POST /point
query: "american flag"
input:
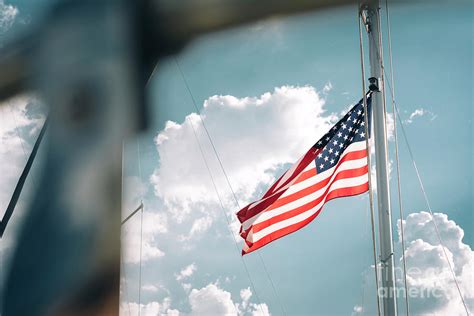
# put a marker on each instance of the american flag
(336, 166)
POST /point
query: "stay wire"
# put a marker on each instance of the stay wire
(140, 268)
(227, 180)
(225, 215)
(141, 206)
(425, 195)
(121, 253)
(397, 159)
(141, 230)
(367, 143)
(423, 190)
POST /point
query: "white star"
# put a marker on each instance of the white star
(345, 137)
(335, 143)
(362, 134)
(321, 166)
(327, 138)
(326, 158)
(331, 150)
(332, 161)
(343, 126)
(320, 155)
(337, 153)
(319, 143)
(341, 145)
(359, 112)
(354, 120)
(350, 129)
(339, 134)
(362, 124)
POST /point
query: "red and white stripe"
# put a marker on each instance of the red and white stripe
(300, 194)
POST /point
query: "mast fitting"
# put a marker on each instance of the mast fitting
(374, 84)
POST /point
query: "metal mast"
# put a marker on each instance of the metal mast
(387, 293)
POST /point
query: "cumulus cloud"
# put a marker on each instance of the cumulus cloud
(245, 295)
(8, 14)
(150, 288)
(327, 87)
(15, 126)
(149, 309)
(420, 112)
(256, 137)
(186, 272)
(198, 228)
(428, 269)
(212, 300)
(153, 224)
(18, 127)
(431, 287)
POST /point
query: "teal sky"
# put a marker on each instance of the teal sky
(324, 268)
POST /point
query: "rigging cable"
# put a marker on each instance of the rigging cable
(227, 180)
(122, 266)
(141, 230)
(140, 207)
(422, 187)
(367, 143)
(424, 192)
(425, 196)
(397, 159)
(225, 215)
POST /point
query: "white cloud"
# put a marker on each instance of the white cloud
(255, 138)
(153, 224)
(14, 148)
(420, 112)
(186, 272)
(428, 269)
(211, 300)
(358, 309)
(150, 288)
(17, 127)
(259, 310)
(245, 295)
(198, 228)
(133, 192)
(8, 14)
(149, 309)
(327, 87)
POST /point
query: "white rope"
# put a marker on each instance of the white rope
(228, 181)
(399, 186)
(371, 197)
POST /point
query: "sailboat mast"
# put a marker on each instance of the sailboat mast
(386, 290)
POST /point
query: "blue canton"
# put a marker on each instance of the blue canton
(350, 129)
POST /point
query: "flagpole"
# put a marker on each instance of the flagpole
(387, 293)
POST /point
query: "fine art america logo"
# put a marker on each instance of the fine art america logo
(428, 289)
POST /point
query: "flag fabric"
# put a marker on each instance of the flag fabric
(336, 166)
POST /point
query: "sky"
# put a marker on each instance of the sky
(266, 92)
